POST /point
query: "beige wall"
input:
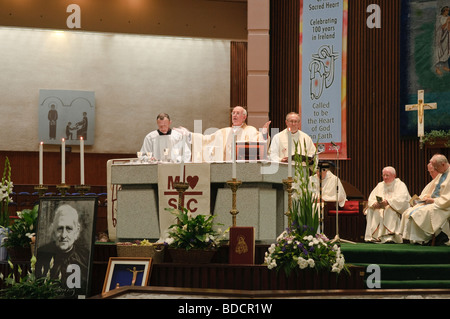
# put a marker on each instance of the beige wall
(134, 70)
(134, 78)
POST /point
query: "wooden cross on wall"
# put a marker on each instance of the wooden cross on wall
(420, 107)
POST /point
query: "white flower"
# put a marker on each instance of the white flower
(302, 263)
(281, 236)
(311, 263)
(273, 264)
(169, 240)
(272, 248)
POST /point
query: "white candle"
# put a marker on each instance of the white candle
(63, 161)
(41, 163)
(182, 162)
(81, 160)
(289, 153)
(233, 154)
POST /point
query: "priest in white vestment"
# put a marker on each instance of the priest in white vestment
(386, 203)
(329, 187)
(421, 222)
(216, 147)
(278, 151)
(166, 144)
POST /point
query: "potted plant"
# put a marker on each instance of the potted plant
(437, 138)
(300, 246)
(193, 239)
(30, 286)
(20, 235)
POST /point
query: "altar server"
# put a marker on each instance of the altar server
(422, 221)
(166, 144)
(279, 146)
(329, 187)
(388, 200)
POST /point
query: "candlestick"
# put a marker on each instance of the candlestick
(181, 188)
(288, 187)
(41, 163)
(41, 189)
(289, 153)
(81, 160)
(63, 161)
(234, 185)
(233, 154)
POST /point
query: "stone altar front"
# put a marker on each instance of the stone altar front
(261, 199)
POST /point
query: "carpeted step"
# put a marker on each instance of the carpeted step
(412, 272)
(403, 254)
(415, 284)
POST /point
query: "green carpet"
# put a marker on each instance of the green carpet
(403, 266)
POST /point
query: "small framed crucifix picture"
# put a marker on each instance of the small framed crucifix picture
(127, 271)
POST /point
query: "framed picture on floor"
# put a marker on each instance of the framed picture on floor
(65, 238)
(127, 271)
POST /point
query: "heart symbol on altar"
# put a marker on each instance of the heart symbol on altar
(192, 181)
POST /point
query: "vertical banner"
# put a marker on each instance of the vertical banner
(323, 64)
(196, 197)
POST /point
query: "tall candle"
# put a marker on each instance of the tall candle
(41, 163)
(82, 160)
(63, 161)
(182, 161)
(289, 153)
(233, 154)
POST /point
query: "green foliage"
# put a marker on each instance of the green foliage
(28, 286)
(193, 232)
(303, 212)
(434, 135)
(6, 188)
(20, 232)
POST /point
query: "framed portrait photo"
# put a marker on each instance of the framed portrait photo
(127, 271)
(65, 238)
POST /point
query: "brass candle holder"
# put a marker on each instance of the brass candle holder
(181, 188)
(82, 189)
(288, 187)
(234, 185)
(63, 188)
(41, 189)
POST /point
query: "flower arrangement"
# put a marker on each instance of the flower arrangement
(30, 286)
(6, 188)
(300, 246)
(21, 232)
(193, 232)
(299, 250)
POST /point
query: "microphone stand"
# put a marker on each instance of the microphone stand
(337, 239)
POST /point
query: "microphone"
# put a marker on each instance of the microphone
(334, 144)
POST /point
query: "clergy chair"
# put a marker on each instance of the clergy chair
(351, 219)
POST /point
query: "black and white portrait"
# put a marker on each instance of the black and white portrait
(64, 242)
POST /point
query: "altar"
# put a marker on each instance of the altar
(134, 197)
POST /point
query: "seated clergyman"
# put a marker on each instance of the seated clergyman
(430, 217)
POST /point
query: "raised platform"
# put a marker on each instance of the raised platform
(404, 267)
